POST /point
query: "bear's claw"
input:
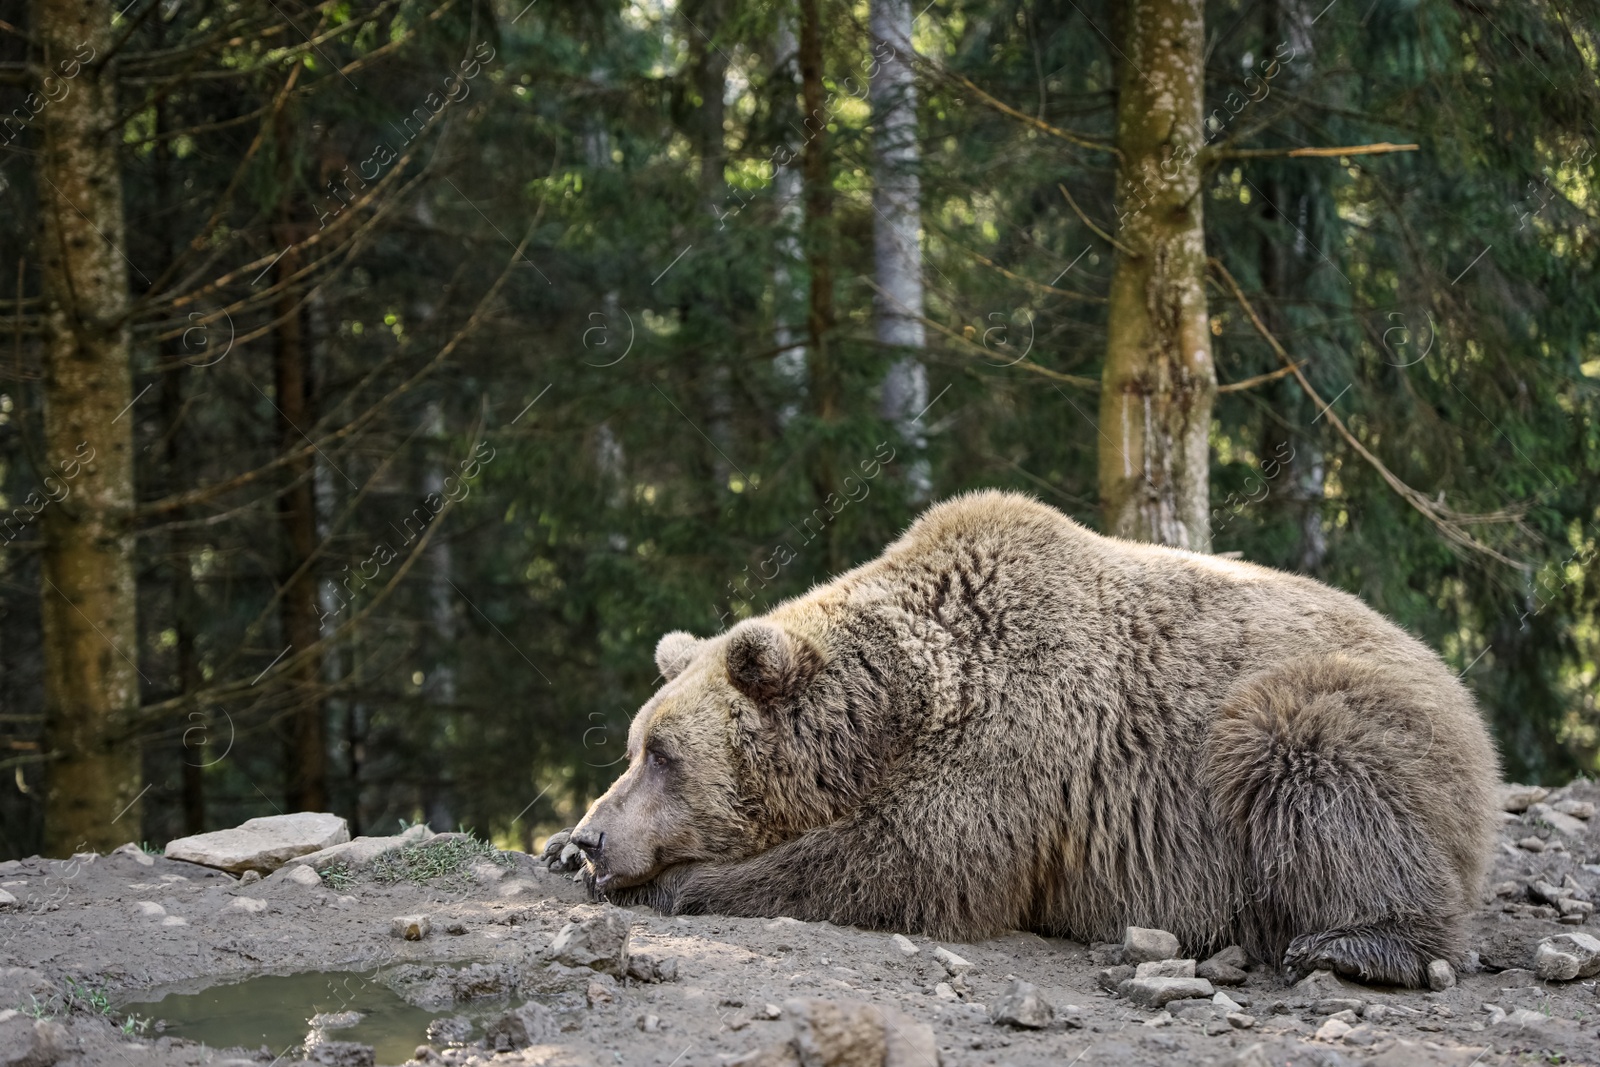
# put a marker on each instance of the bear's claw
(560, 854)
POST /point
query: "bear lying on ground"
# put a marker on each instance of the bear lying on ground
(1007, 721)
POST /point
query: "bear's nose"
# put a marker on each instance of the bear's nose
(591, 841)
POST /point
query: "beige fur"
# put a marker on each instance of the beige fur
(1007, 721)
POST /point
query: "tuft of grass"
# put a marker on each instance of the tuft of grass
(432, 860)
(136, 1025)
(337, 876)
(86, 998)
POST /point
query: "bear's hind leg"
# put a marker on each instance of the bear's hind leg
(1323, 777)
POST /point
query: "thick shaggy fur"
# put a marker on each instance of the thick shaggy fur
(1007, 721)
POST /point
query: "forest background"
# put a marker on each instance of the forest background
(381, 379)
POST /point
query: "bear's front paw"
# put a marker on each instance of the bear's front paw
(560, 854)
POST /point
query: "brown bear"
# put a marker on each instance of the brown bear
(1008, 721)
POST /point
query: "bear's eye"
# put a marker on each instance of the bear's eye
(656, 760)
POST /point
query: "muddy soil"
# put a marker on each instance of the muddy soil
(94, 943)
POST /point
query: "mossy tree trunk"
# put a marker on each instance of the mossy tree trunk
(88, 608)
(1159, 382)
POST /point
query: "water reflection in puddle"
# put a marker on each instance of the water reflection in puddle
(275, 1010)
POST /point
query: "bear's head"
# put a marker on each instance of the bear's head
(757, 735)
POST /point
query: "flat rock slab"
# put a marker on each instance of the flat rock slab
(263, 844)
(363, 850)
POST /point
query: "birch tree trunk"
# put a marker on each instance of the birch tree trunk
(1159, 381)
(88, 614)
(897, 222)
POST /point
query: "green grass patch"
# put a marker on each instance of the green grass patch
(337, 876)
(432, 860)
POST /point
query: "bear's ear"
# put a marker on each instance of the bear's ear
(766, 662)
(674, 651)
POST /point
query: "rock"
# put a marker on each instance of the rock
(334, 1020)
(361, 851)
(1550, 894)
(1156, 992)
(1507, 890)
(1332, 1030)
(650, 1024)
(1441, 975)
(1578, 809)
(944, 991)
(433, 986)
(27, 1042)
(855, 1034)
(1346, 1016)
(487, 873)
(245, 906)
(1520, 797)
(455, 1030)
(954, 965)
(1224, 1003)
(1566, 824)
(600, 942)
(263, 844)
(1140, 945)
(411, 927)
(1165, 969)
(1221, 974)
(250, 878)
(1524, 1017)
(1240, 1021)
(1531, 844)
(1022, 1005)
(1362, 1037)
(1335, 1005)
(301, 875)
(1580, 908)
(1570, 886)
(1320, 985)
(1112, 978)
(602, 990)
(6, 898)
(340, 1054)
(174, 920)
(1567, 956)
(1232, 956)
(650, 969)
(903, 943)
(530, 1024)
(149, 909)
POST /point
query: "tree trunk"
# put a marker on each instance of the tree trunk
(88, 613)
(1159, 382)
(305, 746)
(824, 387)
(897, 223)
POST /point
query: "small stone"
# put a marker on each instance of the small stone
(1532, 844)
(1575, 907)
(1572, 889)
(850, 1033)
(1225, 1003)
(531, 1024)
(650, 1024)
(246, 906)
(1565, 824)
(1156, 992)
(1216, 1027)
(1254, 1056)
(174, 920)
(1240, 1021)
(341, 1054)
(1165, 969)
(1506, 890)
(1022, 1005)
(1578, 809)
(903, 943)
(1361, 1037)
(1322, 985)
(1333, 1030)
(149, 909)
(144, 859)
(1140, 945)
(1346, 1016)
(599, 993)
(1441, 975)
(1520, 797)
(954, 965)
(303, 875)
(944, 991)
(456, 928)
(1112, 977)
(1566, 956)
(411, 927)
(250, 877)
(1161, 1018)
(6, 898)
(1221, 973)
(772, 1011)
(1109, 953)
(1524, 1017)
(600, 942)
(1334, 1005)
(455, 1030)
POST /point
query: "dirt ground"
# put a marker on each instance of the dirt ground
(90, 942)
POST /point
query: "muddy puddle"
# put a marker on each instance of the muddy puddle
(286, 1013)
